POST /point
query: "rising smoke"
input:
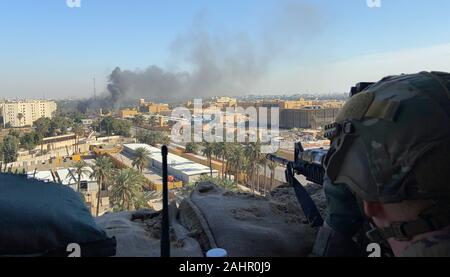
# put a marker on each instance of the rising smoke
(219, 64)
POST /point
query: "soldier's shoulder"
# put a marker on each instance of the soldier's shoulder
(436, 246)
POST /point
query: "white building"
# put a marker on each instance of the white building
(25, 112)
(44, 176)
(68, 178)
(179, 167)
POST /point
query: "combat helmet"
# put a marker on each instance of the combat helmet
(391, 143)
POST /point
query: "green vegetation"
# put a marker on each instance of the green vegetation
(141, 159)
(139, 120)
(127, 190)
(29, 141)
(9, 149)
(152, 137)
(239, 158)
(111, 126)
(58, 125)
(208, 150)
(102, 170)
(126, 185)
(223, 183)
(79, 169)
(192, 147)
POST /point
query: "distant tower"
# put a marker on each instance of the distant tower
(95, 90)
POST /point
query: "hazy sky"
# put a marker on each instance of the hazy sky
(318, 46)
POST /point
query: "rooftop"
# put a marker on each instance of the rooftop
(176, 162)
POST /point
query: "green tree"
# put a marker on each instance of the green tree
(20, 116)
(235, 159)
(254, 155)
(208, 150)
(102, 170)
(223, 183)
(272, 166)
(107, 125)
(42, 126)
(59, 125)
(139, 120)
(14, 133)
(192, 147)
(1, 156)
(29, 141)
(127, 190)
(263, 163)
(10, 147)
(153, 120)
(141, 159)
(76, 173)
(78, 130)
(153, 137)
(225, 147)
(111, 126)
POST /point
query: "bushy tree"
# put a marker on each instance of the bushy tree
(139, 120)
(29, 141)
(10, 147)
(153, 137)
(192, 147)
(112, 126)
(42, 126)
(223, 183)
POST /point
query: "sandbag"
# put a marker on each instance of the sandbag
(246, 225)
(42, 219)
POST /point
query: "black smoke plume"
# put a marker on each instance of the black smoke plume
(220, 64)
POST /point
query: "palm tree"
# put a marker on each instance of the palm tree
(272, 166)
(225, 148)
(263, 162)
(236, 160)
(207, 151)
(141, 159)
(253, 154)
(127, 192)
(101, 171)
(78, 129)
(219, 152)
(80, 169)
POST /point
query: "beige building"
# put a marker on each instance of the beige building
(149, 107)
(308, 117)
(25, 112)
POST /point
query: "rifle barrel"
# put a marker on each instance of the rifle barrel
(279, 160)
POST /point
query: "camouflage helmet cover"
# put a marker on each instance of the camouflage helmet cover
(391, 141)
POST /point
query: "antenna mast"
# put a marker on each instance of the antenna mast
(95, 90)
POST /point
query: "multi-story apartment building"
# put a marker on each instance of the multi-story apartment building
(22, 113)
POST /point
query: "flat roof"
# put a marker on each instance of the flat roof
(45, 176)
(175, 162)
(66, 178)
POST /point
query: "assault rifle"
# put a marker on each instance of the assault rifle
(308, 163)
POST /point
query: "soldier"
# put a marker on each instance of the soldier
(389, 161)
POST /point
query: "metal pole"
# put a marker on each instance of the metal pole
(165, 239)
